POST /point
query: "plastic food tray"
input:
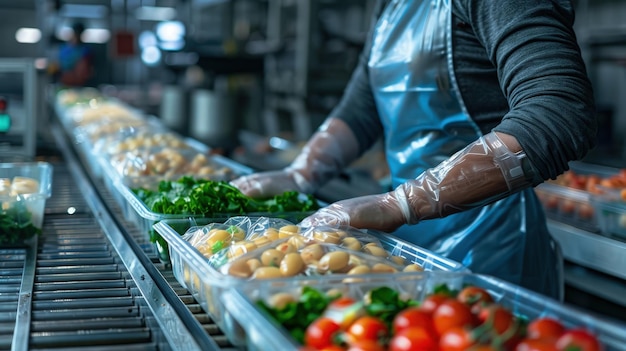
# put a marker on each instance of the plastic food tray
(34, 203)
(135, 210)
(568, 205)
(263, 333)
(588, 211)
(193, 271)
(611, 217)
(97, 158)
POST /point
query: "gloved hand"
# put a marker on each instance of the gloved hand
(328, 151)
(481, 173)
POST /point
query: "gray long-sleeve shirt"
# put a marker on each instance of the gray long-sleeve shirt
(519, 71)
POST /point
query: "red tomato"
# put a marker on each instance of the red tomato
(456, 339)
(431, 302)
(474, 294)
(341, 302)
(333, 348)
(366, 345)
(498, 318)
(321, 332)
(413, 339)
(413, 317)
(367, 328)
(578, 339)
(544, 328)
(452, 313)
(536, 345)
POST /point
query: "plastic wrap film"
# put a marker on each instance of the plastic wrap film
(328, 151)
(482, 172)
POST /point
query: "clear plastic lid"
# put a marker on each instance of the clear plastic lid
(286, 250)
(265, 333)
(146, 167)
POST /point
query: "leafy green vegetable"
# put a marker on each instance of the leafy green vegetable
(208, 198)
(16, 225)
(385, 303)
(296, 316)
(445, 290)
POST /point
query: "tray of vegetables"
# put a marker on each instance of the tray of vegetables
(211, 258)
(412, 311)
(24, 189)
(588, 196)
(190, 197)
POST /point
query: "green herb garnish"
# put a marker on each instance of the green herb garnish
(297, 316)
(16, 225)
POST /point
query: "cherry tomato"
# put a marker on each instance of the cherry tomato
(431, 302)
(333, 348)
(498, 318)
(413, 339)
(321, 332)
(366, 345)
(367, 328)
(502, 325)
(536, 345)
(474, 294)
(341, 302)
(456, 339)
(413, 317)
(452, 313)
(544, 328)
(578, 339)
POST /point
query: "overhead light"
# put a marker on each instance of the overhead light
(170, 31)
(83, 11)
(147, 38)
(172, 45)
(28, 35)
(96, 35)
(151, 55)
(155, 13)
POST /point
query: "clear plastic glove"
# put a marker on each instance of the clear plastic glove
(481, 173)
(328, 151)
(381, 212)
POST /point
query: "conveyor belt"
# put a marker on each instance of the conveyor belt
(69, 289)
(180, 319)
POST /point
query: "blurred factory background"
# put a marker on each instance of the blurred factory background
(231, 73)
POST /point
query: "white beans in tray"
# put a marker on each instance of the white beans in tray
(315, 258)
(146, 140)
(18, 186)
(285, 250)
(169, 163)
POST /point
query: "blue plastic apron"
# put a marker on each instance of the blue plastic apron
(425, 122)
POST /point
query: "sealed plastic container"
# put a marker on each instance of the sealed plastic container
(24, 189)
(588, 196)
(134, 209)
(145, 168)
(568, 205)
(611, 217)
(193, 271)
(94, 113)
(261, 332)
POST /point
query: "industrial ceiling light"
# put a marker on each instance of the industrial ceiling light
(96, 35)
(28, 35)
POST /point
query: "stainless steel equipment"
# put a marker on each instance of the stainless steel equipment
(19, 88)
